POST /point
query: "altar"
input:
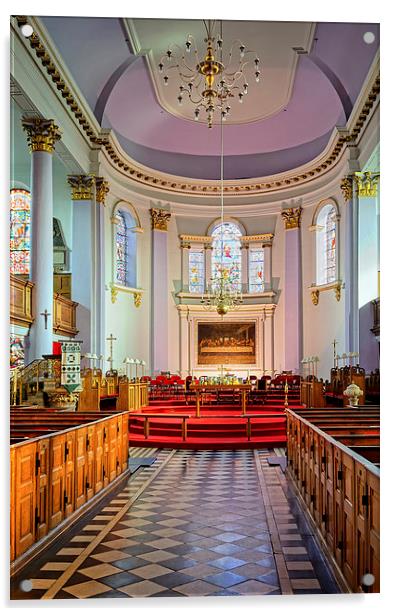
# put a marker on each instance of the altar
(201, 388)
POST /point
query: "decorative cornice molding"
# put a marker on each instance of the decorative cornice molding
(266, 238)
(346, 186)
(151, 178)
(199, 239)
(159, 219)
(41, 134)
(81, 187)
(102, 188)
(291, 217)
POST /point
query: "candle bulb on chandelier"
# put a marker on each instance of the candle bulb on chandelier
(240, 97)
(242, 50)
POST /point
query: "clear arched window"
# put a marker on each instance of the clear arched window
(121, 249)
(226, 254)
(326, 245)
(20, 201)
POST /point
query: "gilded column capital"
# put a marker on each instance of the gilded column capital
(291, 217)
(366, 183)
(81, 187)
(102, 188)
(346, 186)
(41, 134)
(185, 245)
(159, 219)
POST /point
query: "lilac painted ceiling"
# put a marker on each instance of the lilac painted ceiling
(118, 87)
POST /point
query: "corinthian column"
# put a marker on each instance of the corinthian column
(351, 265)
(41, 137)
(159, 285)
(293, 294)
(83, 256)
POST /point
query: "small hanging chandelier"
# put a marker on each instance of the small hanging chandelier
(224, 288)
(210, 84)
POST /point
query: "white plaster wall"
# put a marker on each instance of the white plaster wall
(174, 286)
(130, 325)
(325, 322)
(62, 204)
(278, 275)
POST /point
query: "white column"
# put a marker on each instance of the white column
(267, 266)
(42, 135)
(185, 248)
(245, 268)
(351, 269)
(269, 341)
(159, 289)
(85, 250)
(293, 290)
(184, 342)
(99, 344)
(208, 266)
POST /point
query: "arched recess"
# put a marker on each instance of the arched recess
(325, 224)
(125, 229)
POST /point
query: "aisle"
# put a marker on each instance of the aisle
(194, 523)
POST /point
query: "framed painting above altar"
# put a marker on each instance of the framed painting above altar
(226, 343)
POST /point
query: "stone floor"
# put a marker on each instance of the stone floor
(194, 523)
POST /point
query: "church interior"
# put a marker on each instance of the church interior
(194, 308)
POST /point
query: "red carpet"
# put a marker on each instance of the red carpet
(219, 427)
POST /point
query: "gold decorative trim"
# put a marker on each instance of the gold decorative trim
(292, 217)
(185, 245)
(137, 298)
(315, 297)
(170, 185)
(199, 239)
(137, 293)
(41, 134)
(261, 237)
(159, 219)
(346, 186)
(366, 184)
(81, 187)
(102, 188)
(317, 289)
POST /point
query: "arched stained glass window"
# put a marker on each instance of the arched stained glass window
(121, 249)
(326, 245)
(20, 231)
(226, 254)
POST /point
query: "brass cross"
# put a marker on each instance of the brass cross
(334, 343)
(45, 314)
(111, 340)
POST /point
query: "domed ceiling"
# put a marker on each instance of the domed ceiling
(311, 75)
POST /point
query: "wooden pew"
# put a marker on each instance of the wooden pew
(334, 473)
(59, 462)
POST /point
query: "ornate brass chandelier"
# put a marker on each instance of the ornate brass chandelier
(209, 83)
(224, 291)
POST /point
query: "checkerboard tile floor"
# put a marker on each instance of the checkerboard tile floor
(195, 523)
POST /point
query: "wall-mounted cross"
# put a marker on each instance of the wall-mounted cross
(45, 314)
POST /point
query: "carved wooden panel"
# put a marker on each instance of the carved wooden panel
(361, 522)
(112, 448)
(125, 441)
(373, 535)
(12, 504)
(81, 467)
(21, 301)
(64, 311)
(25, 497)
(43, 488)
(90, 461)
(99, 457)
(348, 513)
(69, 494)
(57, 469)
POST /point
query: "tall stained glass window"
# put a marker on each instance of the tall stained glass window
(331, 246)
(17, 351)
(256, 270)
(226, 253)
(121, 249)
(196, 271)
(20, 231)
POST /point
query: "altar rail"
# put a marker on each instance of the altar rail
(59, 462)
(341, 490)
